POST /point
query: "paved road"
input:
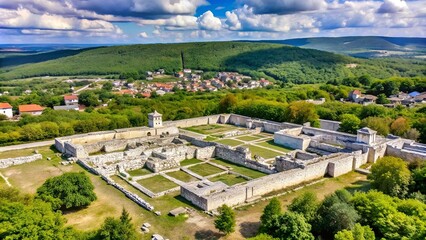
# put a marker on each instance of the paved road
(27, 145)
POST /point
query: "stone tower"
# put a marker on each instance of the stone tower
(366, 135)
(155, 120)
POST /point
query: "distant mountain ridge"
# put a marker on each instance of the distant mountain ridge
(369, 46)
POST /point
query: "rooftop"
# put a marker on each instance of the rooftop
(155, 114)
(5, 106)
(30, 108)
(70, 97)
(366, 130)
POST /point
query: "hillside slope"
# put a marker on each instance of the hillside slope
(359, 45)
(257, 59)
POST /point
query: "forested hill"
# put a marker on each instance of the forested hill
(277, 61)
(364, 46)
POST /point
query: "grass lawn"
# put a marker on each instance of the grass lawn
(110, 201)
(264, 135)
(187, 162)
(17, 153)
(210, 138)
(228, 179)
(211, 128)
(272, 145)
(182, 176)
(157, 183)
(240, 169)
(263, 152)
(230, 142)
(2, 183)
(248, 138)
(205, 169)
(139, 172)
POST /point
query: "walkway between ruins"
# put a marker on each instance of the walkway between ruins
(27, 145)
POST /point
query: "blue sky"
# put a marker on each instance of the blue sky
(152, 21)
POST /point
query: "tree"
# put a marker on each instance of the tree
(227, 103)
(88, 98)
(390, 175)
(357, 233)
(272, 210)
(291, 226)
(340, 216)
(302, 112)
(22, 217)
(118, 229)
(350, 123)
(305, 204)
(382, 99)
(419, 180)
(262, 236)
(107, 86)
(70, 190)
(399, 126)
(225, 222)
(381, 125)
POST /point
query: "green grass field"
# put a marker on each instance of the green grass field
(240, 169)
(230, 142)
(187, 162)
(228, 179)
(139, 172)
(205, 169)
(182, 176)
(212, 128)
(157, 183)
(16, 153)
(272, 145)
(263, 152)
(2, 183)
(248, 138)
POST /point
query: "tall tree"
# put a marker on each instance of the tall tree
(305, 204)
(390, 175)
(271, 211)
(118, 229)
(357, 233)
(350, 123)
(225, 222)
(291, 226)
(70, 190)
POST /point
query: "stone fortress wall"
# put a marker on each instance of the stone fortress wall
(318, 152)
(7, 162)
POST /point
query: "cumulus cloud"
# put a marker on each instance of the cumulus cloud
(207, 21)
(24, 19)
(143, 35)
(284, 6)
(393, 6)
(246, 20)
(178, 22)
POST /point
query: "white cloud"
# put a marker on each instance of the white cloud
(208, 21)
(393, 6)
(179, 21)
(24, 19)
(284, 6)
(143, 35)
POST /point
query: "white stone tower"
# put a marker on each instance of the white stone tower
(155, 120)
(366, 135)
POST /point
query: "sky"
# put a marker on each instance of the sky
(163, 21)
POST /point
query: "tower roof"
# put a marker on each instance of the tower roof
(367, 130)
(155, 114)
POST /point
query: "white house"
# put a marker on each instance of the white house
(71, 100)
(33, 109)
(6, 109)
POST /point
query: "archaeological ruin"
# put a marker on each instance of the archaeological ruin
(191, 154)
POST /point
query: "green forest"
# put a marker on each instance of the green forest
(274, 61)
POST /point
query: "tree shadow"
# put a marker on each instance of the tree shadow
(249, 229)
(359, 186)
(207, 235)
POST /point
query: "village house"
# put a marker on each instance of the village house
(355, 95)
(71, 100)
(32, 109)
(6, 109)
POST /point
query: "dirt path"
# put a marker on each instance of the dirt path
(26, 145)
